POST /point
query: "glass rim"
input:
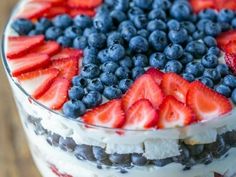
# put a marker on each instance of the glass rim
(80, 122)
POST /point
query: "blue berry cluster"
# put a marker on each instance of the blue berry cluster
(128, 36)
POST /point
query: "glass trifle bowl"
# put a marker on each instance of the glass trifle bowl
(69, 147)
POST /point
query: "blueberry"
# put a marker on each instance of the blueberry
(178, 36)
(76, 93)
(230, 137)
(226, 15)
(157, 14)
(156, 25)
(205, 158)
(188, 77)
(209, 61)
(196, 48)
(140, 60)
(62, 21)
(137, 71)
(43, 24)
(80, 42)
(230, 81)
(84, 152)
(121, 5)
(224, 90)
(108, 79)
(233, 23)
(89, 31)
(74, 109)
(22, 26)
(194, 68)
(202, 23)
(188, 26)
(122, 73)
(214, 51)
(90, 50)
(128, 32)
(72, 32)
(184, 156)
(143, 4)
(144, 33)
(95, 85)
(125, 24)
(92, 99)
(117, 17)
(125, 84)
(225, 26)
(83, 21)
(79, 81)
(126, 62)
(133, 12)
(53, 139)
(114, 38)
(209, 14)
(90, 59)
(99, 153)
(67, 144)
(120, 159)
(207, 81)
(223, 69)
(173, 24)
(112, 92)
(90, 71)
(217, 148)
(161, 4)
(162, 162)
(173, 51)
(198, 35)
(103, 56)
(212, 29)
(138, 159)
(53, 33)
(109, 67)
(138, 44)
(116, 52)
(196, 149)
(35, 32)
(97, 40)
(180, 10)
(186, 58)
(102, 22)
(158, 40)
(64, 41)
(157, 60)
(173, 66)
(140, 21)
(212, 74)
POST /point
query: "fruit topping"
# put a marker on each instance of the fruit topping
(88, 4)
(49, 48)
(67, 53)
(28, 63)
(173, 113)
(109, 114)
(56, 10)
(141, 115)
(230, 48)
(226, 37)
(199, 5)
(56, 95)
(18, 46)
(230, 60)
(206, 103)
(225, 4)
(37, 82)
(88, 12)
(156, 74)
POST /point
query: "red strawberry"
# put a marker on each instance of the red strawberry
(226, 37)
(175, 85)
(28, 63)
(144, 87)
(56, 95)
(230, 60)
(68, 67)
(88, 4)
(34, 10)
(206, 103)
(141, 115)
(230, 48)
(56, 10)
(67, 53)
(75, 12)
(18, 46)
(37, 82)
(225, 4)
(199, 5)
(156, 74)
(109, 115)
(48, 48)
(54, 2)
(173, 113)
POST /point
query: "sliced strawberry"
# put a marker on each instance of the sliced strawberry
(88, 12)
(18, 46)
(206, 103)
(173, 113)
(225, 38)
(37, 82)
(28, 63)
(156, 74)
(88, 4)
(53, 2)
(109, 115)
(141, 115)
(56, 10)
(225, 4)
(68, 67)
(48, 48)
(144, 87)
(175, 85)
(34, 10)
(230, 48)
(199, 5)
(67, 53)
(230, 60)
(56, 95)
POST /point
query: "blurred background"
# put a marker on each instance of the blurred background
(15, 159)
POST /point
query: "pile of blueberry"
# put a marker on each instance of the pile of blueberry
(128, 36)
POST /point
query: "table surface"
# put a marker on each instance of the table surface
(15, 159)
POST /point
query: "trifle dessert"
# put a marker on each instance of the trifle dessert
(127, 88)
